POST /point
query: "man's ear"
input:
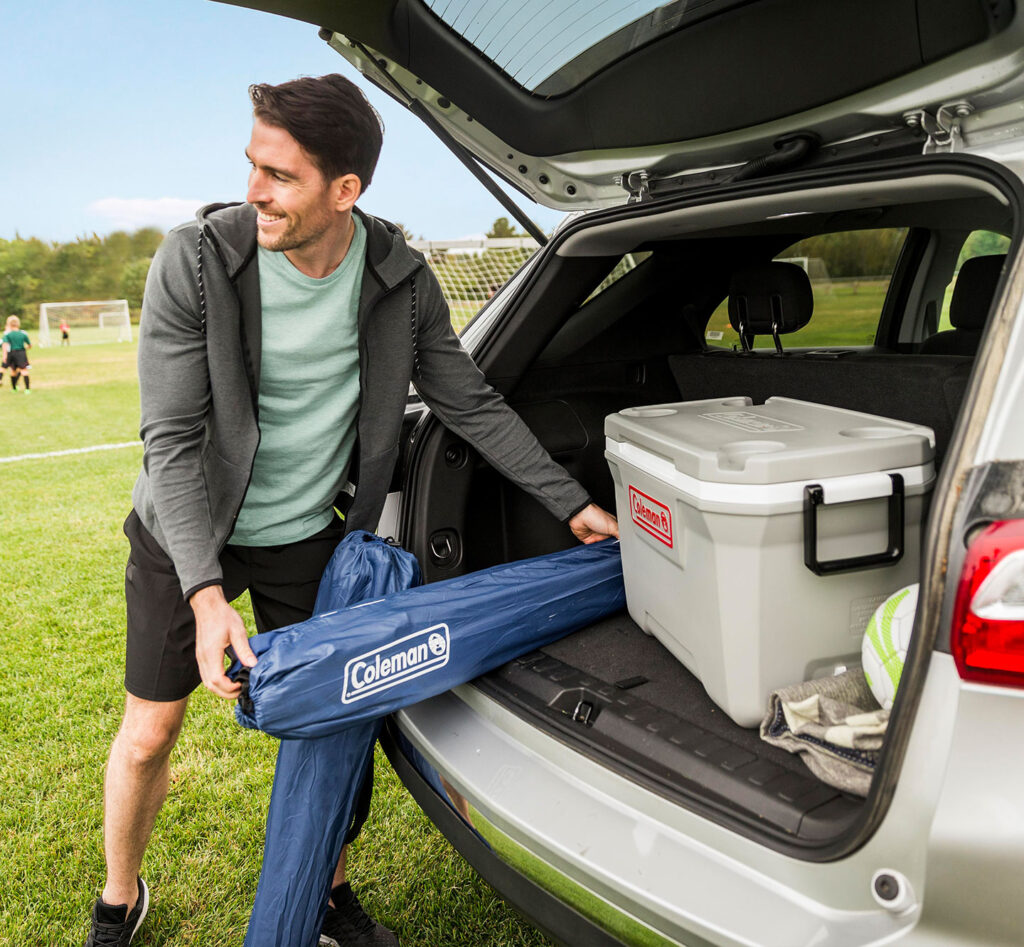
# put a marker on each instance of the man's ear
(345, 191)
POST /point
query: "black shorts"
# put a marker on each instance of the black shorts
(161, 651)
(17, 358)
(160, 661)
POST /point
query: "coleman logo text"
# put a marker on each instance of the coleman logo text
(651, 516)
(393, 664)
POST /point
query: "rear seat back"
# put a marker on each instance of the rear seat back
(972, 299)
(922, 389)
(769, 299)
(777, 298)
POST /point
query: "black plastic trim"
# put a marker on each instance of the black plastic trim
(790, 810)
(556, 919)
(740, 68)
(814, 497)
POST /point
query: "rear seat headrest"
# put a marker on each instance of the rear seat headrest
(975, 288)
(770, 293)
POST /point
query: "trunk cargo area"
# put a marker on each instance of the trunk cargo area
(617, 692)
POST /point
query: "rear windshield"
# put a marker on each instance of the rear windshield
(551, 46)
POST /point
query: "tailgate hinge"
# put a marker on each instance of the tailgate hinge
(636, 185)
(942, 128)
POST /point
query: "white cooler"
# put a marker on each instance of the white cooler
(757, 541)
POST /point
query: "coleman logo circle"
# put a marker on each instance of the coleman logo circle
(393, 664)
(650, 515)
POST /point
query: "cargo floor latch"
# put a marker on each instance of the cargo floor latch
(583, 713)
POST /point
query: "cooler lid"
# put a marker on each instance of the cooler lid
(731, 440)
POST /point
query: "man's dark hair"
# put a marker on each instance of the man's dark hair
(331, 120)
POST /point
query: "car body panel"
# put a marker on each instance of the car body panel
(672, 870)
(972, 885)
(612, 124)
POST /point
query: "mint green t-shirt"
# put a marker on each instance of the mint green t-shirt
(308, 397)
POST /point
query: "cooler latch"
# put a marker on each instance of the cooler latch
(814, 497)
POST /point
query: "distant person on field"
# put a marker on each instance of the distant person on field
(311, 320)
(65, 338)
(15, 343)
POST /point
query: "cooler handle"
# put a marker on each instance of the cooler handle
(814, 496)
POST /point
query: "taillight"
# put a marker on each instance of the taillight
(987, 638)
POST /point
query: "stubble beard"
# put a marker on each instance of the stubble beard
(296, 235)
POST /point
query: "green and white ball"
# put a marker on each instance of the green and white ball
(885, 644)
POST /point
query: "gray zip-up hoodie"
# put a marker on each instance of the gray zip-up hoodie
(199, 385)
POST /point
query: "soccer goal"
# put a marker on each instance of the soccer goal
(471, 271)
(94, 321)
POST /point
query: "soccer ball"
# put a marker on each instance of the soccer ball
(885, 644)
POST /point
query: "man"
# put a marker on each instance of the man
(275, 337)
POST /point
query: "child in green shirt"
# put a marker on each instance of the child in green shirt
(15, 344)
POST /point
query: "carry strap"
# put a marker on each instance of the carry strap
(199, 281)
(415, 344)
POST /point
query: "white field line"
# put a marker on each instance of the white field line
(73, 450)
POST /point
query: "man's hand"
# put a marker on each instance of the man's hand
(592, 524)
(217, 626)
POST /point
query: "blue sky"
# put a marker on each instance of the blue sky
(118, 114)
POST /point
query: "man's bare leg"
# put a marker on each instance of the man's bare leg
(136, 784)
(339, 872)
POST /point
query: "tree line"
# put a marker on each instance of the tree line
(854, 253)
(34, 271)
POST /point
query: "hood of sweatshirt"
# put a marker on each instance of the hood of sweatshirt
(230, 229)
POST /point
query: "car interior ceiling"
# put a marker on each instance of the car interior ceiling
(641, 341)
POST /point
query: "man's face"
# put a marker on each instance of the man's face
(293, 201)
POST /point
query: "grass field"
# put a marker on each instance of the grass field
(61, 664)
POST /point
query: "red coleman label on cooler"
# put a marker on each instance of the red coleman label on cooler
(650, 515)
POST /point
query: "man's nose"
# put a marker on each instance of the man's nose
(257, 188)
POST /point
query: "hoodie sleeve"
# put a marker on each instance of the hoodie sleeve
(174, 384)
(454, 388)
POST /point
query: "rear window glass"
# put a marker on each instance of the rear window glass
(626, 265)
(551, 46)
(849, 273)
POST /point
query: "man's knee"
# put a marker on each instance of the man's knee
(150, 729)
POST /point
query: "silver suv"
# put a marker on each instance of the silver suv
(881, 146)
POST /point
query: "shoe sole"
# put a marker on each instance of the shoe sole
(145, 910)
(326, 941)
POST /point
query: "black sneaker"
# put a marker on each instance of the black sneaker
(348, 925)
(113, 925)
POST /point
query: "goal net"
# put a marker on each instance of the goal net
(472, 271)
(102, 320)
(815, 268)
